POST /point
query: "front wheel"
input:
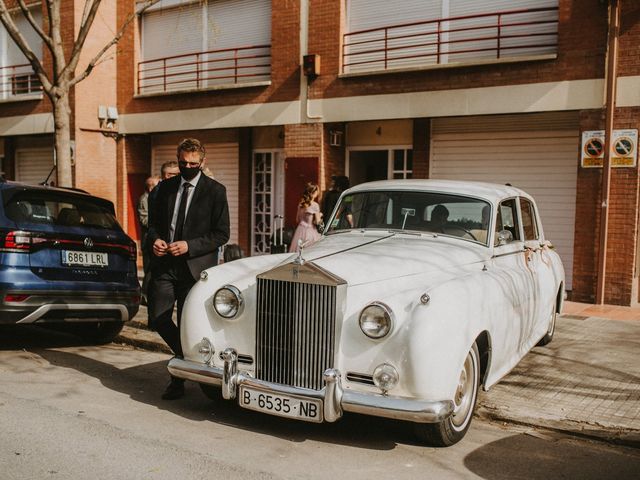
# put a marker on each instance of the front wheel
(454, 428)
(550, 330)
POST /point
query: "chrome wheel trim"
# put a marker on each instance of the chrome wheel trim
(552, 323)
(465, 393)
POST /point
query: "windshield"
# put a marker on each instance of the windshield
(439, 213)
(55, 208)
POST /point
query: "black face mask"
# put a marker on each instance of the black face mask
(188, 173)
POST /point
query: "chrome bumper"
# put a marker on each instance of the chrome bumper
(335, 399)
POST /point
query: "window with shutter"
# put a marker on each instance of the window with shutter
(198, 45)
(16, 74)
(383, 35)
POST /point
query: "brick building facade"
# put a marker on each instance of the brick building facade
(408, 105)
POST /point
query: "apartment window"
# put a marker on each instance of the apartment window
(17, 77)
(190, 45)
(386, 35)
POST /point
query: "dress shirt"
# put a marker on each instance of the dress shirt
(174, 219)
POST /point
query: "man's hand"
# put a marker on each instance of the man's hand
(178, 248)
(160, 248)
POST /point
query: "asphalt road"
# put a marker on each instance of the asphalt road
(69, 411)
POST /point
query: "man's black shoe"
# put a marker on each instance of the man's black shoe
(174, 390)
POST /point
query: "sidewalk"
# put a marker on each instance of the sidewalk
(586, 382)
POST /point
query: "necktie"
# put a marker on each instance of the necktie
(182, 211)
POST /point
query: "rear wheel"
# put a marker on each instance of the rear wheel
(454, 428)
(98, 332)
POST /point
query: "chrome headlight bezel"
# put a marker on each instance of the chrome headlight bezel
(236, 304)
(383, 313)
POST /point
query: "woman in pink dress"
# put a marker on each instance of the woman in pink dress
(308, 217)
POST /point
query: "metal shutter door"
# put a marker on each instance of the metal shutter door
(222, 160)
(541, 162)
(238, 23)
(14, 55)
(34, 164)
(173, 31)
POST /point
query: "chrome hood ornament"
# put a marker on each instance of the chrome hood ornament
(299, 260)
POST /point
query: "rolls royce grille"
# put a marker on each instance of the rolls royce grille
(295, 332)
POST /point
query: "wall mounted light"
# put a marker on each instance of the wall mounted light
(335, 138)
(107, 116)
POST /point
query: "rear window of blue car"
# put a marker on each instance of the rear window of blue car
(58, 208)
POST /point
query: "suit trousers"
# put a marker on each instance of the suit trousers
(170, 286)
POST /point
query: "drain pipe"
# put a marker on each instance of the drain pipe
(305, 115)
(612, 68)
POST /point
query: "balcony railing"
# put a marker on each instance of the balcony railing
(18, 80)
(464, 39)
(202, 70)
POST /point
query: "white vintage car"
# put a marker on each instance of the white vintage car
(418, 293)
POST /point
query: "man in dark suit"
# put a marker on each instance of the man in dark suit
(188, 223)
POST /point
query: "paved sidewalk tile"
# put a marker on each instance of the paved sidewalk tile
(586, 381)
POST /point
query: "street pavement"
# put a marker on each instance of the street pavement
(585, 383)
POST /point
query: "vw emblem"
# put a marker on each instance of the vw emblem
(88, 242)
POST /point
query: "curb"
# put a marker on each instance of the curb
(142, 338)
(571, 428)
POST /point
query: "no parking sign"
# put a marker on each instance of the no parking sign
(624, 148)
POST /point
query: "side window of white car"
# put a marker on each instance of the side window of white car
(529, 224)
(507, 229)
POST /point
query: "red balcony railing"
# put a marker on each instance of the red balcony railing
(16, 80)
(497, 35)
(201, 70)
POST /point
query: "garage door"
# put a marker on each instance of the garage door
(33, 165)
(536, 153)
(222, 160)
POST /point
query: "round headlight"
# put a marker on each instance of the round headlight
(376, 320)
(385, 377)
(227, 301)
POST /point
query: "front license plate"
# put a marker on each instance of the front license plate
(85, 259)
(309, 410)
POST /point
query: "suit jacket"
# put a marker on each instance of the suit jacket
(206, 225)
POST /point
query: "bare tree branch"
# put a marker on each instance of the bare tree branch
(57, 52)
(92, 63)
(38, 28)
(16, 36)
(88, 16)
(49, 3)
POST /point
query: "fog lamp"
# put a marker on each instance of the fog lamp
(205, 348)
(227, 301)
(385, 377)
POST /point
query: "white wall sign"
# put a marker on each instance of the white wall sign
(624, 148)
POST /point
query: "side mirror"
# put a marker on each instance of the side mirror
(504, 237)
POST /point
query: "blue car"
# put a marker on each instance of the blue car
(65, 260)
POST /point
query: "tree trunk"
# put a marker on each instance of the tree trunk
(62, 122)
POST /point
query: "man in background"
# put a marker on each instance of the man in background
(339, 183)
(143, 217)
(168, 170)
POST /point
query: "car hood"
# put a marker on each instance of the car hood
(367, 257)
